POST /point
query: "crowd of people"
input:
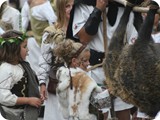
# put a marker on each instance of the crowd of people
(71, 36)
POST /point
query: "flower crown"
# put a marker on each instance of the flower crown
(16, 39)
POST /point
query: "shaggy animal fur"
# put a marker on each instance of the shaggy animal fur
(75, 102)
(133, 71)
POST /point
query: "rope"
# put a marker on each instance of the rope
(93, 67)
(104, 39)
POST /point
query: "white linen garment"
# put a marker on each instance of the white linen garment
(9, 75)
(12, 16)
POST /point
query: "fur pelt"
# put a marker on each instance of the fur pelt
(56, 35)
(132, 71)
(75, 102)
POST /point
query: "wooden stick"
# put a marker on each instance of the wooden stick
(95, 66)
(136, 8)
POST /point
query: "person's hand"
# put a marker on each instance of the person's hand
(101, 4)
(43, 92)
(36, 102)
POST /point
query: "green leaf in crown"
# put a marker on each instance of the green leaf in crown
(16, 40)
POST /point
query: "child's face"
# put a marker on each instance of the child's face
(85, 60)
(24, 49)
(68, 8)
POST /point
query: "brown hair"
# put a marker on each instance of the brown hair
(10, 51)
(67, 50)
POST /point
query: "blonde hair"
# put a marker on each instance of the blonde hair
(60, 12)
(66, 50)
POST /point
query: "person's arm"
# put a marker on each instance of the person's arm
(49, 13)
(90, 28)
(44, 65)
(25, 16)
(33, 101)
(7, 80)
(15, 18)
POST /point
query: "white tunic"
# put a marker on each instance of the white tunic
(81, 15)
(9, 75)
(12, 16)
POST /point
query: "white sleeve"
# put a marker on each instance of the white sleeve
(25, 16)
(16, 19)
(49, 13)
(6, 78)
(44, 60)
(81, 15)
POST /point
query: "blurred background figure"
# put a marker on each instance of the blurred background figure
(36, 16)
(40, 14)
(52, 36)
(9, 17)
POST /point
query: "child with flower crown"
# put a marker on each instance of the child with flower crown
(20, 98)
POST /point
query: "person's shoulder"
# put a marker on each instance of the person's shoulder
(13, 11)
(10, 70)
(6, 68)
(5, 65)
